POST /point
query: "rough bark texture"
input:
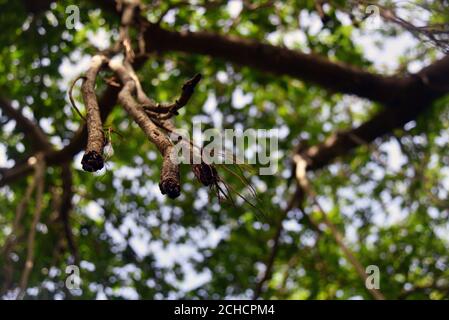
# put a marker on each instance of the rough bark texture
(170, 180)
(93, 157)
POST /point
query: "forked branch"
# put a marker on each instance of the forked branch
(170, 180)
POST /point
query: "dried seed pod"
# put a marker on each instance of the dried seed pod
(205, 173)
(92, 161)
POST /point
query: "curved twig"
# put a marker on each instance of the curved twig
(72, 101)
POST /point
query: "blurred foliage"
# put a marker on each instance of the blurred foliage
(135, 243)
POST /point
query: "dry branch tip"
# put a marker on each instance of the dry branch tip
(92, 161)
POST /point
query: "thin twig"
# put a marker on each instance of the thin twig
(274, 249)
(40, 184)
(12, 238)
(303, 182)
(66, 207)
(72, 101)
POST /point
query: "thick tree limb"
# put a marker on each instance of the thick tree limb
(280, 61)
(336, 77)
(431, 83)
(341, 143)
(38, 138)
(406, 96)
(333, 76)
(36, 6)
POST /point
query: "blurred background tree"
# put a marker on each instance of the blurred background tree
(357, 90)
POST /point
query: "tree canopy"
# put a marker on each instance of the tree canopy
(358, 94)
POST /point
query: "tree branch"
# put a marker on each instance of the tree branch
(13, 237)
(40, 185)
(31, 130)
(432, 83)
(169, 183)
(295, 199)
(336, 77)
(172, 108)
(303, 183)
(93, 156)
(76, 144)
(66, 207)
